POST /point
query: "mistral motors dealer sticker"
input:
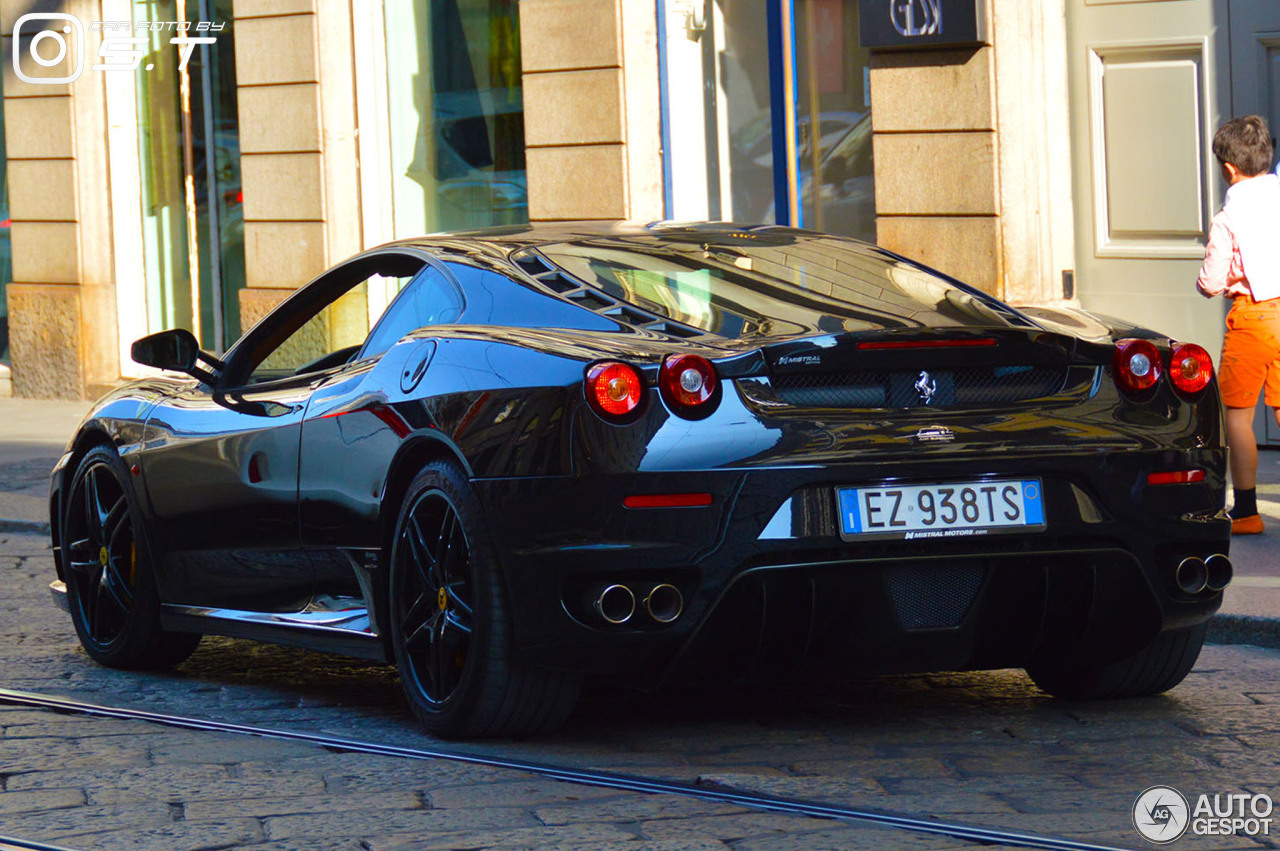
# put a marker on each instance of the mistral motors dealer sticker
(1162, 814)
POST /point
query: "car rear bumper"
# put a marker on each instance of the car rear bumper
(765, 577)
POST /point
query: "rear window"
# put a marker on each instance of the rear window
(774, 285)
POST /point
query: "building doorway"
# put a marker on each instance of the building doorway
(1149, 83)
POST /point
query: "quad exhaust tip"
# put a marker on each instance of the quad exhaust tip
(664, 603)
(1196, 575)
(1219, 572)
(616, 604)
(1192, 575)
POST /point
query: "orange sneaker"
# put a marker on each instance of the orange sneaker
(1251, 525)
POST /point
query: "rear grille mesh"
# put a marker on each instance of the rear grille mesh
(933, 596)
(967, 387)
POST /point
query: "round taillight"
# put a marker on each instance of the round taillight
(615, 390)
(688, 383)
(1136, 364)
(1191, 368)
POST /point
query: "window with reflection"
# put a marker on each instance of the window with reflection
(456, 114)
(335, 334)
(737, 285)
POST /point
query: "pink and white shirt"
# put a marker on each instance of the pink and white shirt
(1243, 254)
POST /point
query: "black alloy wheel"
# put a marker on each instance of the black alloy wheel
(110, 590)
(434, 595)
(450, 623)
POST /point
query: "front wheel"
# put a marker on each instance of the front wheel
(449, 621)
(111, 590)
(1156, 668)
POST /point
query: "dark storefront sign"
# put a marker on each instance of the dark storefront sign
(905, 24)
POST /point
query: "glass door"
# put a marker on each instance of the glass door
(717, 127)
(455, 115)
(189, 158)
(6, 266)
(767, 113)
(216, 180)
(833, 120)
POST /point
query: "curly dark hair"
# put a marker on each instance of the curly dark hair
(1246, 143)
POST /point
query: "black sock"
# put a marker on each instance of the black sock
(1246, 503)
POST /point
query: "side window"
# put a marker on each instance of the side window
(429, 299)
(495, 299)
(333, 335)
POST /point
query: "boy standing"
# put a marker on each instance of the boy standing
(1242, 260)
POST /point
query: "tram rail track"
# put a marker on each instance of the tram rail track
(10, 844)
(567, 774)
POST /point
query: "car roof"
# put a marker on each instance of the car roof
(502, 241)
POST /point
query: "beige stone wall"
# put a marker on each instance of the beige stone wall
(972, 157)
(591, 107)
(1033, 116)
(936, 149)
(62, 301)
(299, 168)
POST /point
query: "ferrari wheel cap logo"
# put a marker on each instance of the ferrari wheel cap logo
(926, 386)
(442, 599)
(102, 556)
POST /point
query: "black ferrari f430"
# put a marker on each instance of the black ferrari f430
(508, 461)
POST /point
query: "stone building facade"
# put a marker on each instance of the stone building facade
(973, 155)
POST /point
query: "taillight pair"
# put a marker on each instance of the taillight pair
(1137, 367)
(615, 390)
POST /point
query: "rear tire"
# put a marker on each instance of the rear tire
(1154, 669)
(111, 589)
(450, 623)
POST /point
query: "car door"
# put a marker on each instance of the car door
(222, 481)
(355, 424)
(221, 470)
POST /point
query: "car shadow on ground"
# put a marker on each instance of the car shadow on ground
(288, 684)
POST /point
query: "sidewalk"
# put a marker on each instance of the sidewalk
(33, 434)
(1250, 611)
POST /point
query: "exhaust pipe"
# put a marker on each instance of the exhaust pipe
(616, 604)
(664, 603)
(1192, 575)
(1218, 571)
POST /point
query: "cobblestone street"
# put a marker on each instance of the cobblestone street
(985, 749)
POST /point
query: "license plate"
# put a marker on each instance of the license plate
(952, 510)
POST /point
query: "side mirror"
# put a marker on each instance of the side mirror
(176, 350)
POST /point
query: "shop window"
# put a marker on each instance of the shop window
(722, 136)
(189, 159)
(455, 113)
(833, 122)
(6, 267)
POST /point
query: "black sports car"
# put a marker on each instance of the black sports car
(511, 460)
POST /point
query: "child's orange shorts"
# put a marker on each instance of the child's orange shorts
(1251, 353)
